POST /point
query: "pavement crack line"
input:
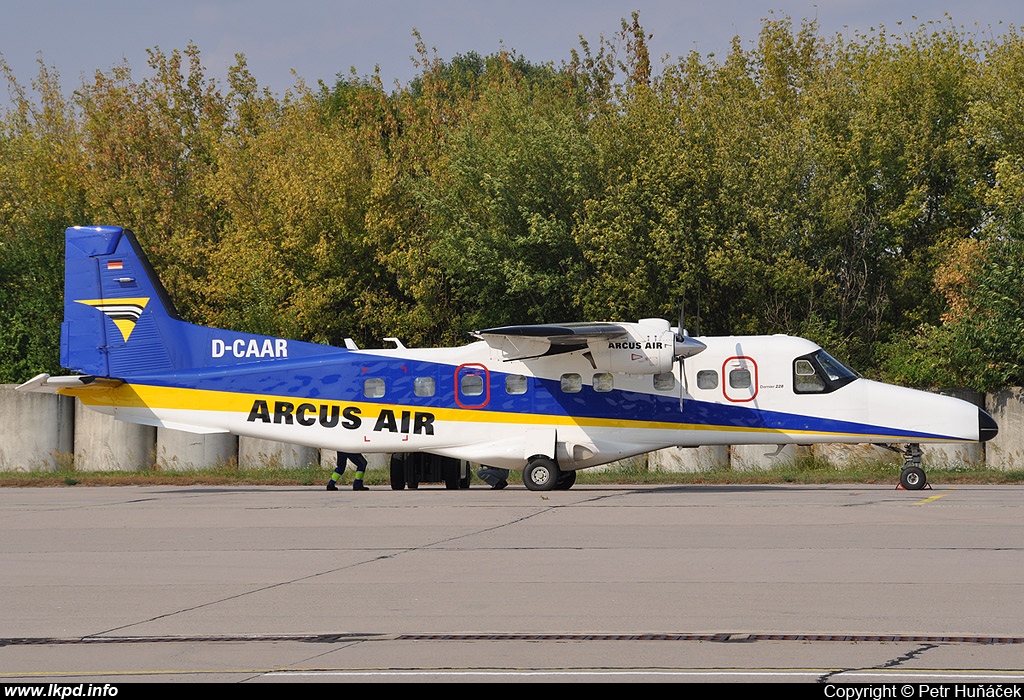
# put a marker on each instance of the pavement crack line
(389, 555)
(890, 664)
(909, 656)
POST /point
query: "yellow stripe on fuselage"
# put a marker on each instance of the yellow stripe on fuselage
(172, 398)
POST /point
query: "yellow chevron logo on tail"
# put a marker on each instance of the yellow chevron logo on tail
(123, 312)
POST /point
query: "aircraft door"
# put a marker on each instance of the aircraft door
(739, 379)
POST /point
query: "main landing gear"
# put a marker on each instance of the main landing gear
(413, 468)
(542, 474)
(912, 476)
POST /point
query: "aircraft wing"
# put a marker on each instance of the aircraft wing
(530, 341)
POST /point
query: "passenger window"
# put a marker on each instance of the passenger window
(472, 385)
(515, 384)
(707, 379)
(423, 386)
(664, 382)
(373, 387)
(572, 383)
(603, 382)
(739, 379)
(805, 379)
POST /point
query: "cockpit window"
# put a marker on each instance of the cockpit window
(820, 373)
(806, 379)
(836, 370)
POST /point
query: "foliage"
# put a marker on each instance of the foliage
(41, 193)
(861, 191)
(149, 152)
(978, 344)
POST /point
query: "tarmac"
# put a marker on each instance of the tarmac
(815, 584)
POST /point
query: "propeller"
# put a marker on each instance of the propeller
(685, 346)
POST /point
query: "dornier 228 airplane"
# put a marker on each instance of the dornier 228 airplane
(547, 399)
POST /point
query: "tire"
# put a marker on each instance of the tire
(397, 474)
(913, 478)
(464, 480)
(451, 473)
(565, 481)
(540, 474)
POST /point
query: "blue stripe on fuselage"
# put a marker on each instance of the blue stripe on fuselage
(339, 377)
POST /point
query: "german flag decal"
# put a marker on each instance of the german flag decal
(123, 312)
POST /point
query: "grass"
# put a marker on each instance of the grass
(808, 470)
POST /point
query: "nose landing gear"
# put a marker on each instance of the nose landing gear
(912, 476)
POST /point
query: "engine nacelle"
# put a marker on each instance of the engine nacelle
(648, 348)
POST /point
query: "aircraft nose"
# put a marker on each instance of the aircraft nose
(987, 428)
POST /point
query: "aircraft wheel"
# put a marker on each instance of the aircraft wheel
(397, 474)
(565, 481)
(451, 473)
(540, 474)
(913, 478)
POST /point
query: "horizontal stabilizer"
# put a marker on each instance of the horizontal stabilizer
(45, 384)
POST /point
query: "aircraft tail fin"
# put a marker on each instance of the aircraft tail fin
(119, 322)
(118, 319)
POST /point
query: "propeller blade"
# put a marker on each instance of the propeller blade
(685, 346)
(682, 381)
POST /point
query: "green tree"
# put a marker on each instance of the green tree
(478, 209)
(823, 187)
(895, 183)
(292, 185)
(502, 203)
(150, 147)
(978, 343)
(702, 170)
(41, 194)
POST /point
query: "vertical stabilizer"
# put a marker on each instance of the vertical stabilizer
(118, 320)
(120, 323)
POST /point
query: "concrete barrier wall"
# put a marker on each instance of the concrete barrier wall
(176, 449)
(1006, 450)
(841, 455)
(105, 444)
(689, 459)
(37, 432)
(752, 457)
(254, 453)
(42, 431)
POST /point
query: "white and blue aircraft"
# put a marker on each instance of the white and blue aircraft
(547, 399)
